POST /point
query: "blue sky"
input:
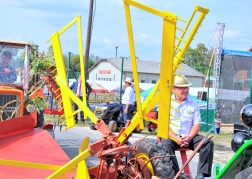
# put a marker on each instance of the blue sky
(36, 21)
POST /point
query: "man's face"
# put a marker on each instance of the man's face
(80, 79)
(6, 59)
(181, 93)
(127, 84)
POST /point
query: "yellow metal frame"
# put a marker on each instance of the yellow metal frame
(171, 56)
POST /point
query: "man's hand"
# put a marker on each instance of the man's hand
(179, 141)
(185, 141)
(125, 111)
(7, 70)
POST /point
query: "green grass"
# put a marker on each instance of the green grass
(55, 119)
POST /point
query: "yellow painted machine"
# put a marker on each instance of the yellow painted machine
(118, 159)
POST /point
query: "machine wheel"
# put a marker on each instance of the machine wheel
(149, 148)
(40, 118)
(137, 130)
(51, 132)
(112, 125)
(91, 125)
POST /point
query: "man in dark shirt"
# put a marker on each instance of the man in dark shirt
(7, 73)
(76, 87)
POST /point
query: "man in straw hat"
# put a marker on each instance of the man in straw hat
(127, 99)
(185, 133)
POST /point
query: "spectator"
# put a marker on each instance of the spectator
(217, 123)
(127, 99)
(76, 87)
(185, 133)
(107, 102)
(7, 73)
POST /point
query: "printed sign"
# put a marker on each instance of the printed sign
(104, 71)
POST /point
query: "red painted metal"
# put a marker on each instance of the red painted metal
(153, 115)
(16, 125)
(187, 171)
(20, 141)
(183, 156)
(53, 111)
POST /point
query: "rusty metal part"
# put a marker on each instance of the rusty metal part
(114, 151)
(144, 171)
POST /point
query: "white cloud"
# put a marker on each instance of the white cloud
(146, 39)
(115, 2)
(107, 42)
(231, 34)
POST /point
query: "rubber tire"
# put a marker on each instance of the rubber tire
(111, 125)
(40, 118)
(137, 131)
(51, 132)
(92, 127)
(163, 167)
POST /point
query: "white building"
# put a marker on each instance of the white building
(148, 71)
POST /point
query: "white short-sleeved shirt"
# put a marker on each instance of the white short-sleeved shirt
(128, 96)
(79, 89)
(188, 116)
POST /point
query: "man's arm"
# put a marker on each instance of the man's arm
(174, 137)
(73, 84)
(194, 131)
(187, 139)
(218, 121)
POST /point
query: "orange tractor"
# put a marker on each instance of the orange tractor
(118, 158)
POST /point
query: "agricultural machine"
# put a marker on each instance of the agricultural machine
(112, 115)
(118, 158)
(240, 165)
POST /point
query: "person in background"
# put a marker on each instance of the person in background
(7, 73)
(217, 123)
(134, 102)
(76, 87)
(107, 102)
(185, 133)
(127, 99)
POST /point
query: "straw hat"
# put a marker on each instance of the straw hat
(181, 82)
(128, 80)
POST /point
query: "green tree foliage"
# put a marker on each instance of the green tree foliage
(75, 65)
(198, 58)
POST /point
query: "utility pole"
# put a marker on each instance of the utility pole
(89, 33)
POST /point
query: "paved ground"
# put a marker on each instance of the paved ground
(71, 139)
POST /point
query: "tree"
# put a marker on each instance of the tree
(198, 58)
(75, 65)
